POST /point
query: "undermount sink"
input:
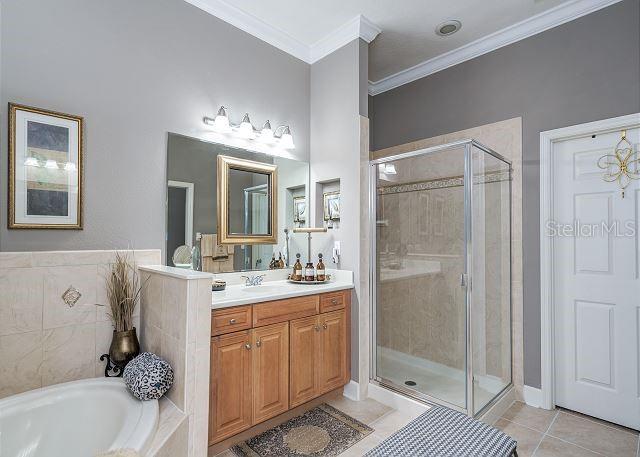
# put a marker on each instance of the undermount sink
(261, 289)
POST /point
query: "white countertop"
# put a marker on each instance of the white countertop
(182, 273)
(277, 289)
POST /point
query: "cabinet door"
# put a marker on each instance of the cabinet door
(305, 360)
(230, 394)
(333, 350)
(270, 371)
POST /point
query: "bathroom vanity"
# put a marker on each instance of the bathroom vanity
(275, 347)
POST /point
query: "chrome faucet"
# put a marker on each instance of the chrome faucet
(253, 280)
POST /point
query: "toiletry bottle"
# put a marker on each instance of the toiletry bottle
(320, 273)
(280, 261)
(297, 269)
(309, 272)
(196, 258)
(272, 264)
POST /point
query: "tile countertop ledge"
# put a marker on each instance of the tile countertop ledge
(275, 289)
(182, 273)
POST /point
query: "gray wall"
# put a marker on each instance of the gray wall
(136, 70)
(336, 101)
(582, 71)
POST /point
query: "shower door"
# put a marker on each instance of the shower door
(419, 334)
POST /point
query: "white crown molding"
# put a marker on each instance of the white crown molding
(516, 32)
(358, 27)
(254, 26)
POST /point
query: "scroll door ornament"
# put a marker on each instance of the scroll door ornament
(623, 166)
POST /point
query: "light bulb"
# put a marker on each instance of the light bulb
(266, 134)
(32, 162)
(70, 166)
(221, 121)
(286, 140)
(246, 127)
(389, 169)
(51, 164)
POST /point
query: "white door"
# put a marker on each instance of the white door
(596, 283)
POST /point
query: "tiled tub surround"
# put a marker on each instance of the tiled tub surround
(176, 325)
(44, 341)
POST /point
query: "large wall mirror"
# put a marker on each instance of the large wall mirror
(265, 195)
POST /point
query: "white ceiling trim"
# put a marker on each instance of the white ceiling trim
(358, 27)
(516, 32)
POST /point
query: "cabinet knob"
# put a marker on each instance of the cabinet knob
(232, 321)
(334, 301)
(317, 327)
(247, 346)
(324, 326)
(258, 343)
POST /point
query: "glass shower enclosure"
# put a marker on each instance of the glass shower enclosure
(441, 274)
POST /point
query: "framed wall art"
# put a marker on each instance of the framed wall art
(45, 169)
(300, 210)
(331, 206)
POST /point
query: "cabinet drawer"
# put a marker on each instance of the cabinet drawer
(227, 320)
(333, 301)
(284, 310)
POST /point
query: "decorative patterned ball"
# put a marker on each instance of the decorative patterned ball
(148, 377)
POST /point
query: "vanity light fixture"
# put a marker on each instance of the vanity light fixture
(31, 162)
(221, 121)
(246, 127)
(286, 140)
(389, 169)
(52, 164)
(266, 134)
(280, 137)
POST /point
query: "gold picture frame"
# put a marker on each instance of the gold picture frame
(46, 165)
(300, 209)
(225, 164)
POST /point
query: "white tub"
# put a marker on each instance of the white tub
(76, 419)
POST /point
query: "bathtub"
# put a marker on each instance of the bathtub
(76, 419)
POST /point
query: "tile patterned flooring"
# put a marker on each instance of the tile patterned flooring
(540, 433)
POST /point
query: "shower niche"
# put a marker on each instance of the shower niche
(441, 274)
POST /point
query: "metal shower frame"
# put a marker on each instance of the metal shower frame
(468, 145)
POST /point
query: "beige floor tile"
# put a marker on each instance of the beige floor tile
(528, 439)
(391, 423)
(362, 446)
(593, 436)
(366, 411)
(599, 421)
(226, 453)
(536, 418)
(552, 447)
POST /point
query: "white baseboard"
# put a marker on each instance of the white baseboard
(395, 400)
(532, 396)
(352, 391)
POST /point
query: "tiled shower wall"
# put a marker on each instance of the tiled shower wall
(505, 137)
(44, 341)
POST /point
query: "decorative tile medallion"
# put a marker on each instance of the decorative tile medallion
(71, 296)
(322, 431)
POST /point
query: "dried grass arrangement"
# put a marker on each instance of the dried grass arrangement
(123, 291)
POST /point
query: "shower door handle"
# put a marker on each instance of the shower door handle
(464, 280)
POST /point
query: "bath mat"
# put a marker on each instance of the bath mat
(321, 431)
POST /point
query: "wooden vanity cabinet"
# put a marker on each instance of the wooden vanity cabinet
(284, 361)
(270, 360)
(230, 392)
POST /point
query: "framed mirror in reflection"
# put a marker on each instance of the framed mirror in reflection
(264, 196)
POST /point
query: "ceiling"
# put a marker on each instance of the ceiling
(407, 27)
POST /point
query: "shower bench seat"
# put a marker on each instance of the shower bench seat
(442, 432)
